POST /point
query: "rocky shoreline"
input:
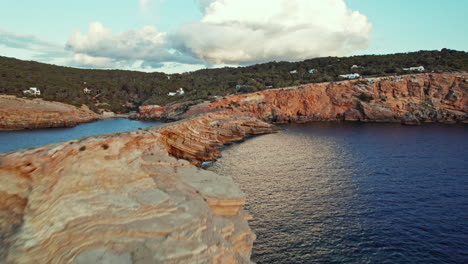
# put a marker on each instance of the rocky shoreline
(140, 196)
(409, 99)
(134, 197)
(18, 113)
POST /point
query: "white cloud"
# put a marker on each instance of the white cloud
(230, 32)
(147, 44)
(203, 4)
(246, 31)
(83, 60)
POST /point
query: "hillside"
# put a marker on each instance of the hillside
(121, 91)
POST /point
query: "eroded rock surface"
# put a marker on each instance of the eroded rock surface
(173, 112)
(18, 113)
(126, 198)
(410, 99)
(407, 99)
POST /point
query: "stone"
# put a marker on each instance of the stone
(438, 97)
(141, 200)
(19, 113)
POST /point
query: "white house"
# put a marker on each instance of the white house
(292, 72)
(355, 67)
(32, 91)
(238, 86)
(180, 91)
(350, 76)
(420, 68)
(311, 71)
(86, 90)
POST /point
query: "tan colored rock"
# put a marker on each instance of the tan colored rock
(427, 97)
(18, 113)
(174, 111)
(121, 198)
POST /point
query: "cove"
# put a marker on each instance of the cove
(18, 139)
(355, 192)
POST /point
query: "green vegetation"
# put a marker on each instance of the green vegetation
(121, 91)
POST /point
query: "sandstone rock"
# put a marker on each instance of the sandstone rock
(352, 115)
(122, 198)
(435, 97)
(410, 119)
(173, 112)
(18, 113)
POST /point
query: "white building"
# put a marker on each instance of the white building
(180, 91)
(238, 86)
(420, 68)
(292, 72)
(350, 76)
(311, 71)
(32, 91)
(86, 90)
(355, 67)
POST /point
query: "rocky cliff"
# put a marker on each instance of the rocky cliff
(173, 112)
(409, 99)
(127, 198)
(18, 113)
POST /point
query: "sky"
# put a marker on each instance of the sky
(185, 35)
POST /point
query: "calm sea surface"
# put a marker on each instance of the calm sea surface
(11, 140)
(355, 193)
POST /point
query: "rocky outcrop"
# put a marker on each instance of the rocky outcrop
(18, 113)
(421, 98)
(407, 99)
(173, 112)
(127, 198)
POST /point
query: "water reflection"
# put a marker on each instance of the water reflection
(355, 193)
(11, 140)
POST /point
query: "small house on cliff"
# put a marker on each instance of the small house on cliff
(419, 68)
(350, 76)
(32, 91)
(180, 91)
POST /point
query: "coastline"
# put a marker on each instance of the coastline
(126, 194)
(143, 194)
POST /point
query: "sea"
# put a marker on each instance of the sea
(18, 139)
(327, 192)
(355, 192)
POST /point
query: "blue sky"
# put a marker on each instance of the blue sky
(181, 35)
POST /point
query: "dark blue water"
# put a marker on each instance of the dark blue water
(11, 140)
(355, 193)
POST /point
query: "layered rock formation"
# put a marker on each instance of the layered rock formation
(173, 112)
(126, 198)
(18, 113)
(409, 99)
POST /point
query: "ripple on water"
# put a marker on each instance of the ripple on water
(355, 193)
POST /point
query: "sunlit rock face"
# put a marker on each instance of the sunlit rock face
(173, 112)
(415, 98)
(18, 113)
(125, 198)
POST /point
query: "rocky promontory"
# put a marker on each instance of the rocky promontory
(19, 113)
(409, 99)
(132, 197)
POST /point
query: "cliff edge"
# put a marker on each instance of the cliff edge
(19, 113)
(126, 198)
(409, 99)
